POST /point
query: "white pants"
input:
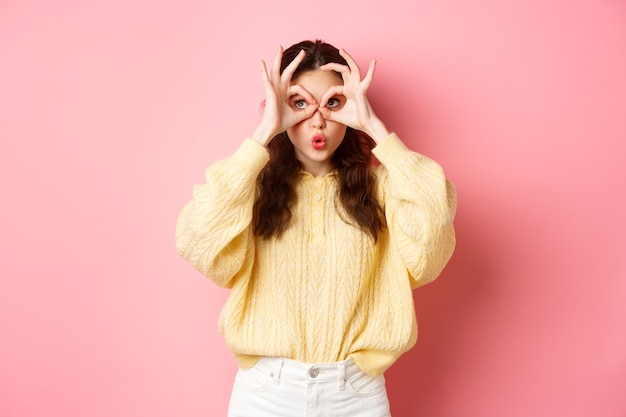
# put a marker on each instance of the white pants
(278, 387)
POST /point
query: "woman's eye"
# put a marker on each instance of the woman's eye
(332, 103)
(300, 104)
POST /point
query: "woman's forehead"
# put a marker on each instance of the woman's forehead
(317, 78)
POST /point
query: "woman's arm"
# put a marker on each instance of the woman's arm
(214, 230)
(420, 205)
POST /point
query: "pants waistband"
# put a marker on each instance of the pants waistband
(312, 372)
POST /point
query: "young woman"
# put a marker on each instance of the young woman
(320, 249)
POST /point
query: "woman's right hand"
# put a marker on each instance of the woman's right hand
(279, 113)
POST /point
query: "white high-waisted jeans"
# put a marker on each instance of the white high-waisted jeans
(278, 387)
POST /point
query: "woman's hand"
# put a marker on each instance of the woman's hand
(279, 114)
(357, 112)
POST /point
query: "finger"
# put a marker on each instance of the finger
(344, 70)
(330, 93)
(370, 74)
(300, 115)
(328, 113)
(335, 116)
(293, 65)
(298, 89)
(276, 67)
(267, 83)
(307, 113)
(351, 62)
(264, 74)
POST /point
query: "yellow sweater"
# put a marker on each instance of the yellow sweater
(324, 291)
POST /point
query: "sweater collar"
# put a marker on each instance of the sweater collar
(308, 175)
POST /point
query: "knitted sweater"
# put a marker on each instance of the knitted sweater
(324, 291)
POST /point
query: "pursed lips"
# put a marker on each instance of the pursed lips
(318, 141)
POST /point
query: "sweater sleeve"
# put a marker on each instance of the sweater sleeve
(420, 204)
(214, 230)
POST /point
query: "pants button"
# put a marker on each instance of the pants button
(314, 372)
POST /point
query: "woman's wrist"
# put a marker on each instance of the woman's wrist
(262, 135)
(377, 130)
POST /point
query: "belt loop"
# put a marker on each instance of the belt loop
(342, 375)
(276, 372)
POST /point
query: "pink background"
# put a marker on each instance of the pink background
(111, 110)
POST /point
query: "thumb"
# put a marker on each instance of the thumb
(308, 112)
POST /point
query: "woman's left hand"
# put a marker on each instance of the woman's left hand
(356, 112)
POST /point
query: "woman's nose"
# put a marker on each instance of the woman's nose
(318, 121)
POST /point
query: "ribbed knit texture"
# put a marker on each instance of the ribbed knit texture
(324, 291)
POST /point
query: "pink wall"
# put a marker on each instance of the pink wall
(111, 110)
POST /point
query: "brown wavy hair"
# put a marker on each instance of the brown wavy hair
(351, 160)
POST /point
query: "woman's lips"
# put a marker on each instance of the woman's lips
(318, 141)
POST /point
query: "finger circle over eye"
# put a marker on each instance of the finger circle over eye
(330, 93)
(298, 89)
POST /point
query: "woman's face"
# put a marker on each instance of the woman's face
(316, 139)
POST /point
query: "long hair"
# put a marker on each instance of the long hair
(351, 160)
